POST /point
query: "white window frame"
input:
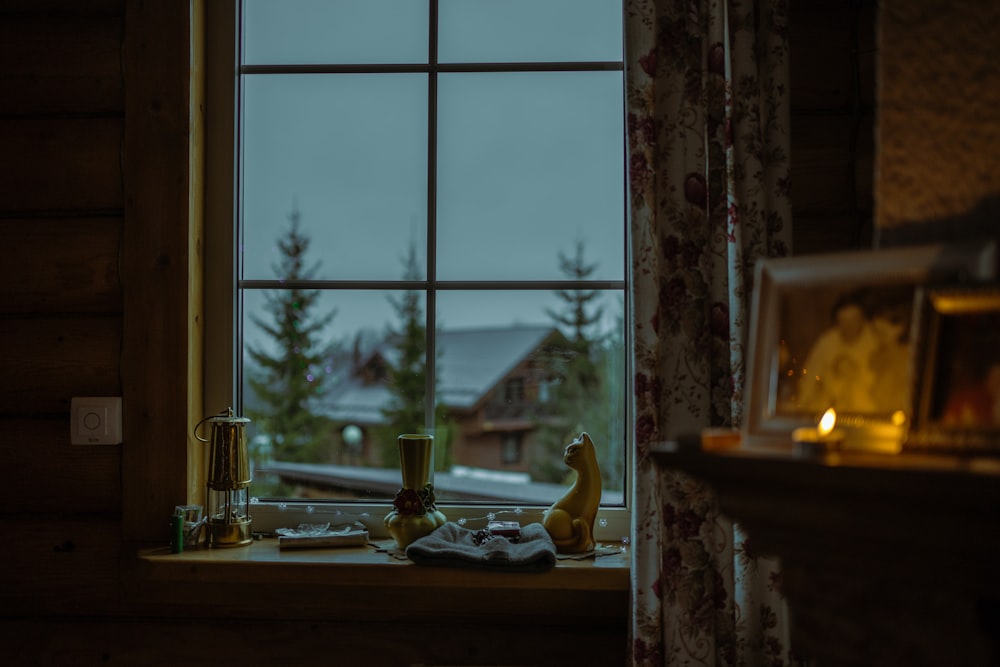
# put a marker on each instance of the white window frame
(222, 72)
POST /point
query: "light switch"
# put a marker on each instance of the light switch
(96, 420)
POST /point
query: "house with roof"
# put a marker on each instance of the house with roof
(494, 383)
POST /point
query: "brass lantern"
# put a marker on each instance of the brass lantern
(227, 521)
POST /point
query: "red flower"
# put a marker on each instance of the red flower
(647, 654)
(669, 515)
(719, 593)
(645, 430)
(784, 186)
(690, 253)
(717, 59)
(641, 383)
(646, 386)
(641, 129)
(775, 581)
(719, 320)
(671, 247)
(671, 561)
(673, 297)
(689, 524)
(695, 190)
(408, 502)
(648, 62)
(732, 221)
(638, 171)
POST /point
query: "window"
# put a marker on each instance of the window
(512, 446)
(514, 391)
(429, 216)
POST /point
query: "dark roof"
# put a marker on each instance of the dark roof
(471, 362)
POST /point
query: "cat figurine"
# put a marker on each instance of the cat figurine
(570, 520)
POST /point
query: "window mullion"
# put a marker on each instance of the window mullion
(430, 295)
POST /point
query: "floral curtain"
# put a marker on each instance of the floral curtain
(708, 139)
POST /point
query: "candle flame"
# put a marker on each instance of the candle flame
(827, 421)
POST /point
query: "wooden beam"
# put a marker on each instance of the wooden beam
(48, 360)
(67, 65)
(161, 358)
(60, 265)
(53, 476)
(59, 164)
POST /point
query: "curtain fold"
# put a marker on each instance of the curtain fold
(708, 142)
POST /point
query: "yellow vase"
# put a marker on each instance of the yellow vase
(414, 512)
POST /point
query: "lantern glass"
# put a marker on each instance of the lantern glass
(228, 517)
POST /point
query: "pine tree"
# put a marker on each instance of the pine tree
(406, 412)
(577, 319)
(286, 383)
(577, 403)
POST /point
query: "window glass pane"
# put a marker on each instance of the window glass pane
(507, 371)
(529, 164)
(318, 384)
(526, 30)
(342, 31)
(348, 152)
(528, 181)
(520, 364)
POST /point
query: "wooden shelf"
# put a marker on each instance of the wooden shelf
(363, 583)
(886, 559)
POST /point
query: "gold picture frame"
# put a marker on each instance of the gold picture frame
(795, 368)
(957, 396)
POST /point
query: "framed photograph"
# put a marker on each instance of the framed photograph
(836, 331)
(957, 396)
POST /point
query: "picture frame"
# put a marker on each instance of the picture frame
(957, 394)
(792, 324)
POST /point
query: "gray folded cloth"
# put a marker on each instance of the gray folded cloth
(454, 546)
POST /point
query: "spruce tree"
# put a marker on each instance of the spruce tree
(406, 412)
(577, 403)
(578, 318)
(287, 382)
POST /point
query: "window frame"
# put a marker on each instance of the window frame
(221, 382)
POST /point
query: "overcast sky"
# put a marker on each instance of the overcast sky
(528, 163)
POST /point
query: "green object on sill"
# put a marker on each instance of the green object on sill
(177, 533)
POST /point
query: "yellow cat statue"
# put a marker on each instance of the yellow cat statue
(570, 520)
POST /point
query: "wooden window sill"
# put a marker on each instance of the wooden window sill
(362, 583)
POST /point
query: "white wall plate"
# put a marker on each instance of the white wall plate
(96, 420)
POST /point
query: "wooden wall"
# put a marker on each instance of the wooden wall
(62, 127)
(61, 227)
(64, 307)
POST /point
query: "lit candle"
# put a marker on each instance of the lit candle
(820, 438)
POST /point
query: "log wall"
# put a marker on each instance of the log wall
(62, 125)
